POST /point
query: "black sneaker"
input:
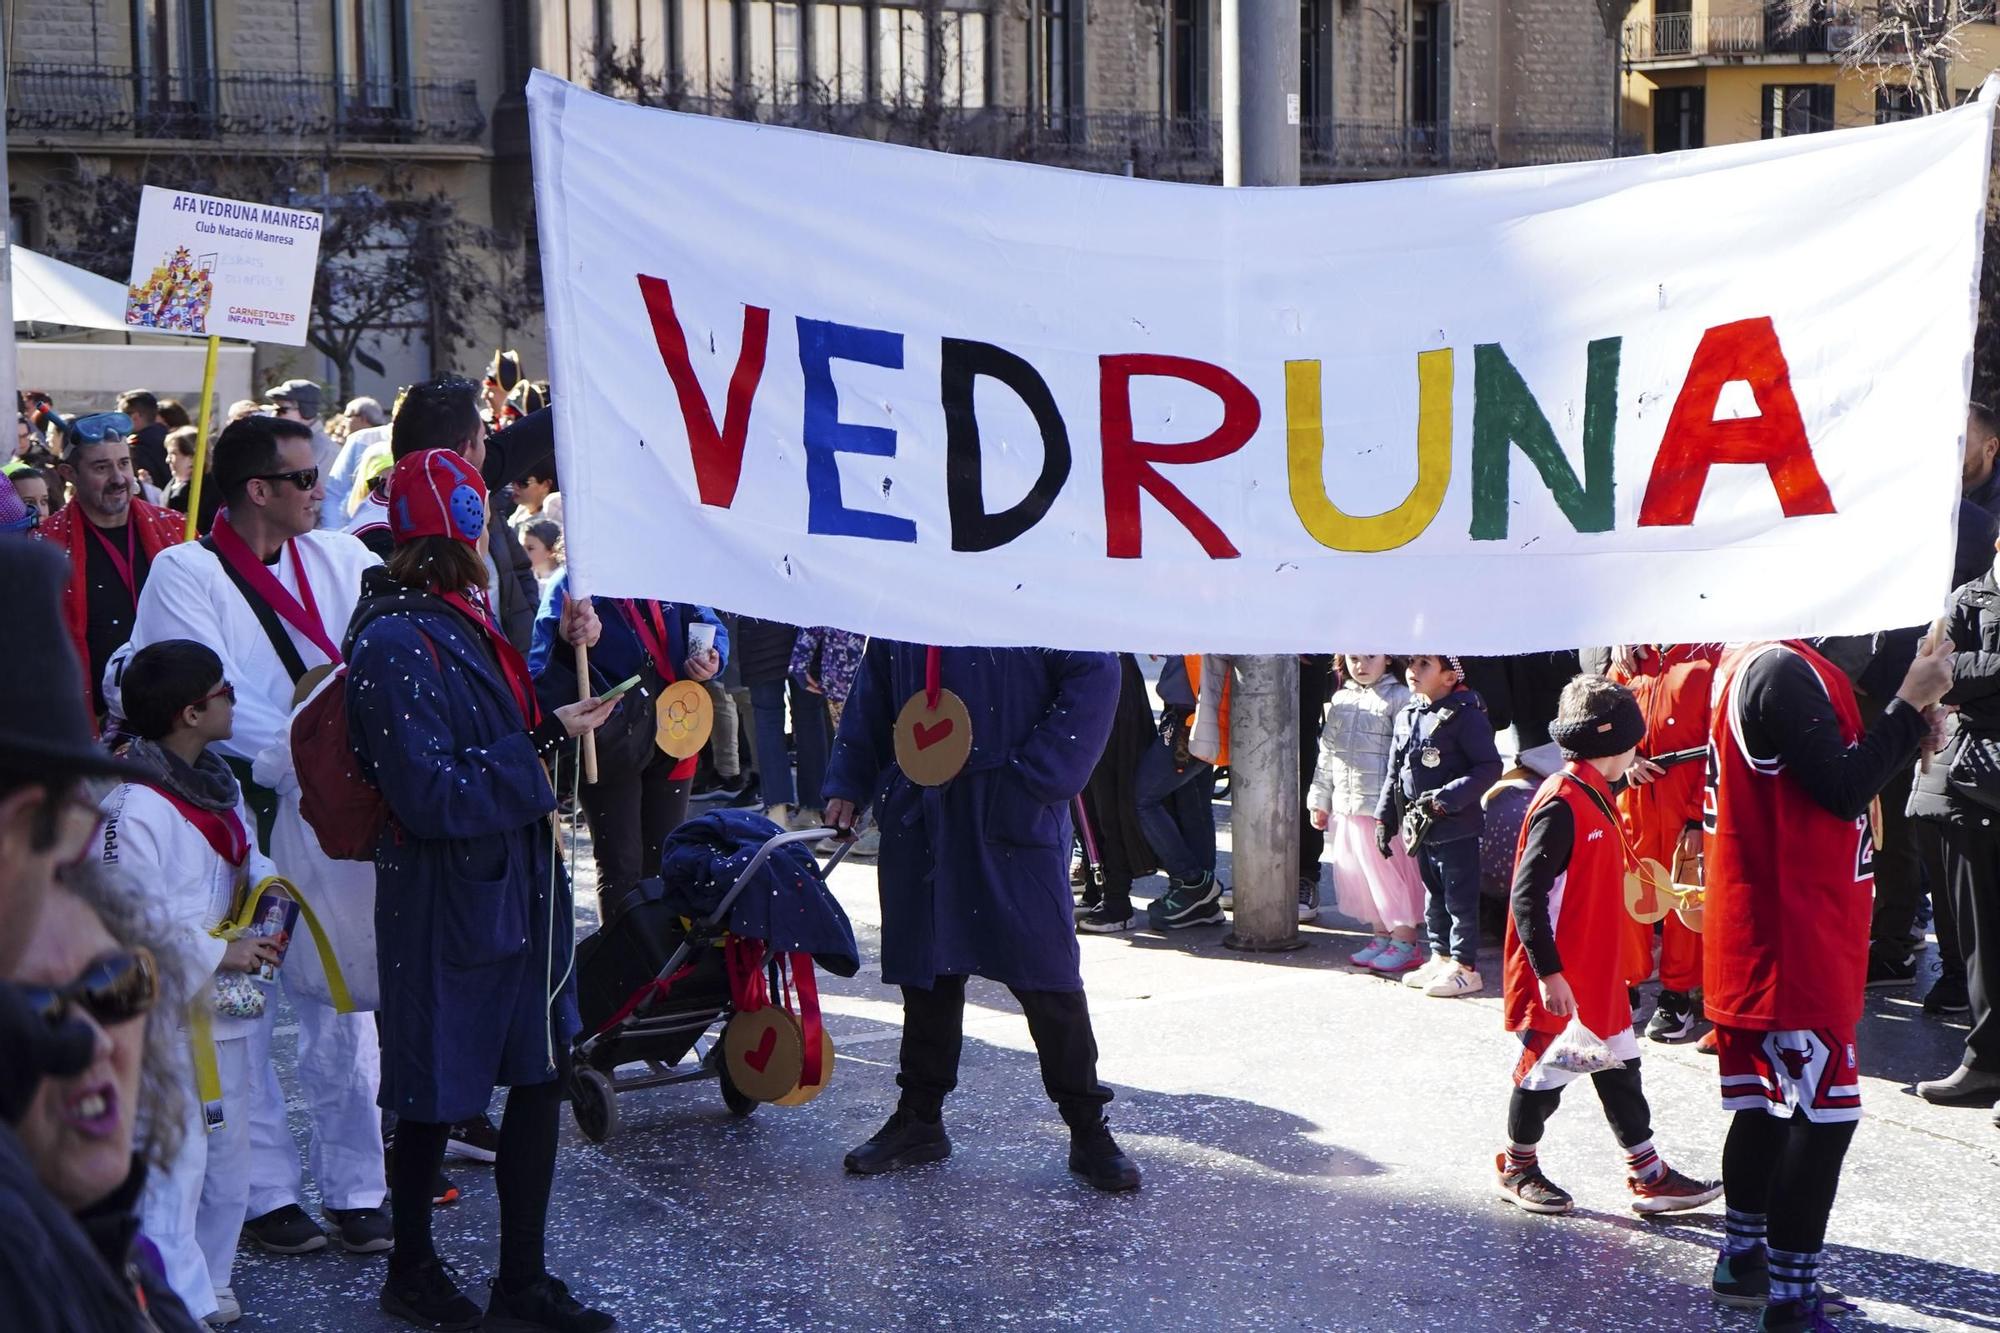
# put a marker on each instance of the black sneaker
(1103, 920)
(474, 1140)
(1308, 900)
(904, 1141)
(1187, 903)
(1096, 1156)
(1530, 1189)
(1948, 995)
(1742, 1280)
(361, 1230)
(543, 1306)
(1673, 1019)
(425, 1295)
(1806, 1316)
(286, 1230)
(745, 796)
(1885, 974)
(724, 789)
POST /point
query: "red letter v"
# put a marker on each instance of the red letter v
(718, 455)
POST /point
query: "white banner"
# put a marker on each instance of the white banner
(223, 268)
(1701, 396)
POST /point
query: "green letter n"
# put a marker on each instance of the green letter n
(1505, 414)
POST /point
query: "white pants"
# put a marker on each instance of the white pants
(193, 1211)
(339, 1073)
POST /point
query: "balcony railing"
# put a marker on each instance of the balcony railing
(238, 104)
(1682, 37)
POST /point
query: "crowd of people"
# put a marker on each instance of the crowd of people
(374, 608)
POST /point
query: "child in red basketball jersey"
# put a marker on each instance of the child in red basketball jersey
(1564, 956)
(1787, 908)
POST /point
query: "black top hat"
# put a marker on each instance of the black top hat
(53, 738)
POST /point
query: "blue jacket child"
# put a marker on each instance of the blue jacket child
(1445, 751)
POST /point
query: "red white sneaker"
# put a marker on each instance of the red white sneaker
(1671, 1192)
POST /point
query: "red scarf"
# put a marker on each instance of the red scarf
(301, 612)
(125, 563)
(222, 828)
(512, 665)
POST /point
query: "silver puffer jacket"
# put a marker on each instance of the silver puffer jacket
(1355, 745)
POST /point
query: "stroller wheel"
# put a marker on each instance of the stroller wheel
(738, 1103)
(595, 1104)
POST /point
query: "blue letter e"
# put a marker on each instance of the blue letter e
(821, 343)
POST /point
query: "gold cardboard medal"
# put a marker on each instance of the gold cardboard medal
(1649, 892)
(684, 715)
(764, 1053)
(932, 744)
(805, 1092)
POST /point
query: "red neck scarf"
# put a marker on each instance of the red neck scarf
(224, 831)
(300, 612)
(650, 624)
(512, 665)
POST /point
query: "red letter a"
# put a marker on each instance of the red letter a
(1746, 350)
(718, 455)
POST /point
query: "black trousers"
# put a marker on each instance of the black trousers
(630, 815)
(1315, 687)
(1059, 1021)
(1972, 872)
(1929, 837)
(1618, 1089)
(1899, 876)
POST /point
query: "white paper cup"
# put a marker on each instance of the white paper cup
(701, 638)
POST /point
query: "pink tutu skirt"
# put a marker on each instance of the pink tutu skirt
(1389, 893)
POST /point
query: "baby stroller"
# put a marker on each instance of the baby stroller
(653, 982)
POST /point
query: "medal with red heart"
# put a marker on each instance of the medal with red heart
(934, 731)
(764, 1053)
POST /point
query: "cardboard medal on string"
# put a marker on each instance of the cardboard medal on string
(805, 1092)
(683, 716)
(1689, 882)
(932, 744)
(1649, 891)
(764, 1053)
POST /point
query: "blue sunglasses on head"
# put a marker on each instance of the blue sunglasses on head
(96, 428)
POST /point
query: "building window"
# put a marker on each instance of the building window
(772, 67)
(173, 59)
(900, 56)
(707, 32)
(1315, 61)
(1677, 119)
(1430, 54)
(1796, 108)
(1061, 73)
(962, 57)
(1187, 59)
(381, 54)
(1892, 104)
(840, 53)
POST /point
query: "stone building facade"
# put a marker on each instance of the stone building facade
(426, 93)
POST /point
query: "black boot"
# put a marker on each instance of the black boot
(1096, 1156)
(907, 1140)
(543, 1306)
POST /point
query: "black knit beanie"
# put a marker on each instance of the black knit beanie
(1613, 726)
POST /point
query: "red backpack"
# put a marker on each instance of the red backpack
(347, 814)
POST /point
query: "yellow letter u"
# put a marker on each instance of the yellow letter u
(1305, 450)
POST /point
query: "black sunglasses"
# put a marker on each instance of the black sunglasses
(305, 478)
(113, 990)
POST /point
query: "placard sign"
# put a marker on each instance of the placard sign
(226, 268)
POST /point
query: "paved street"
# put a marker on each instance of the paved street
(1318, 1152)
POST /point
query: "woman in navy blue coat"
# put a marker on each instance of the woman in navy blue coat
(474, 931)
(974, 877)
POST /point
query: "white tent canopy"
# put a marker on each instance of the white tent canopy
(48, 291)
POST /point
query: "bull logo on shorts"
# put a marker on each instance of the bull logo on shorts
(1795, 1060)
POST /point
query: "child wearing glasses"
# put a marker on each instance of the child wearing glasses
(187, 839)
